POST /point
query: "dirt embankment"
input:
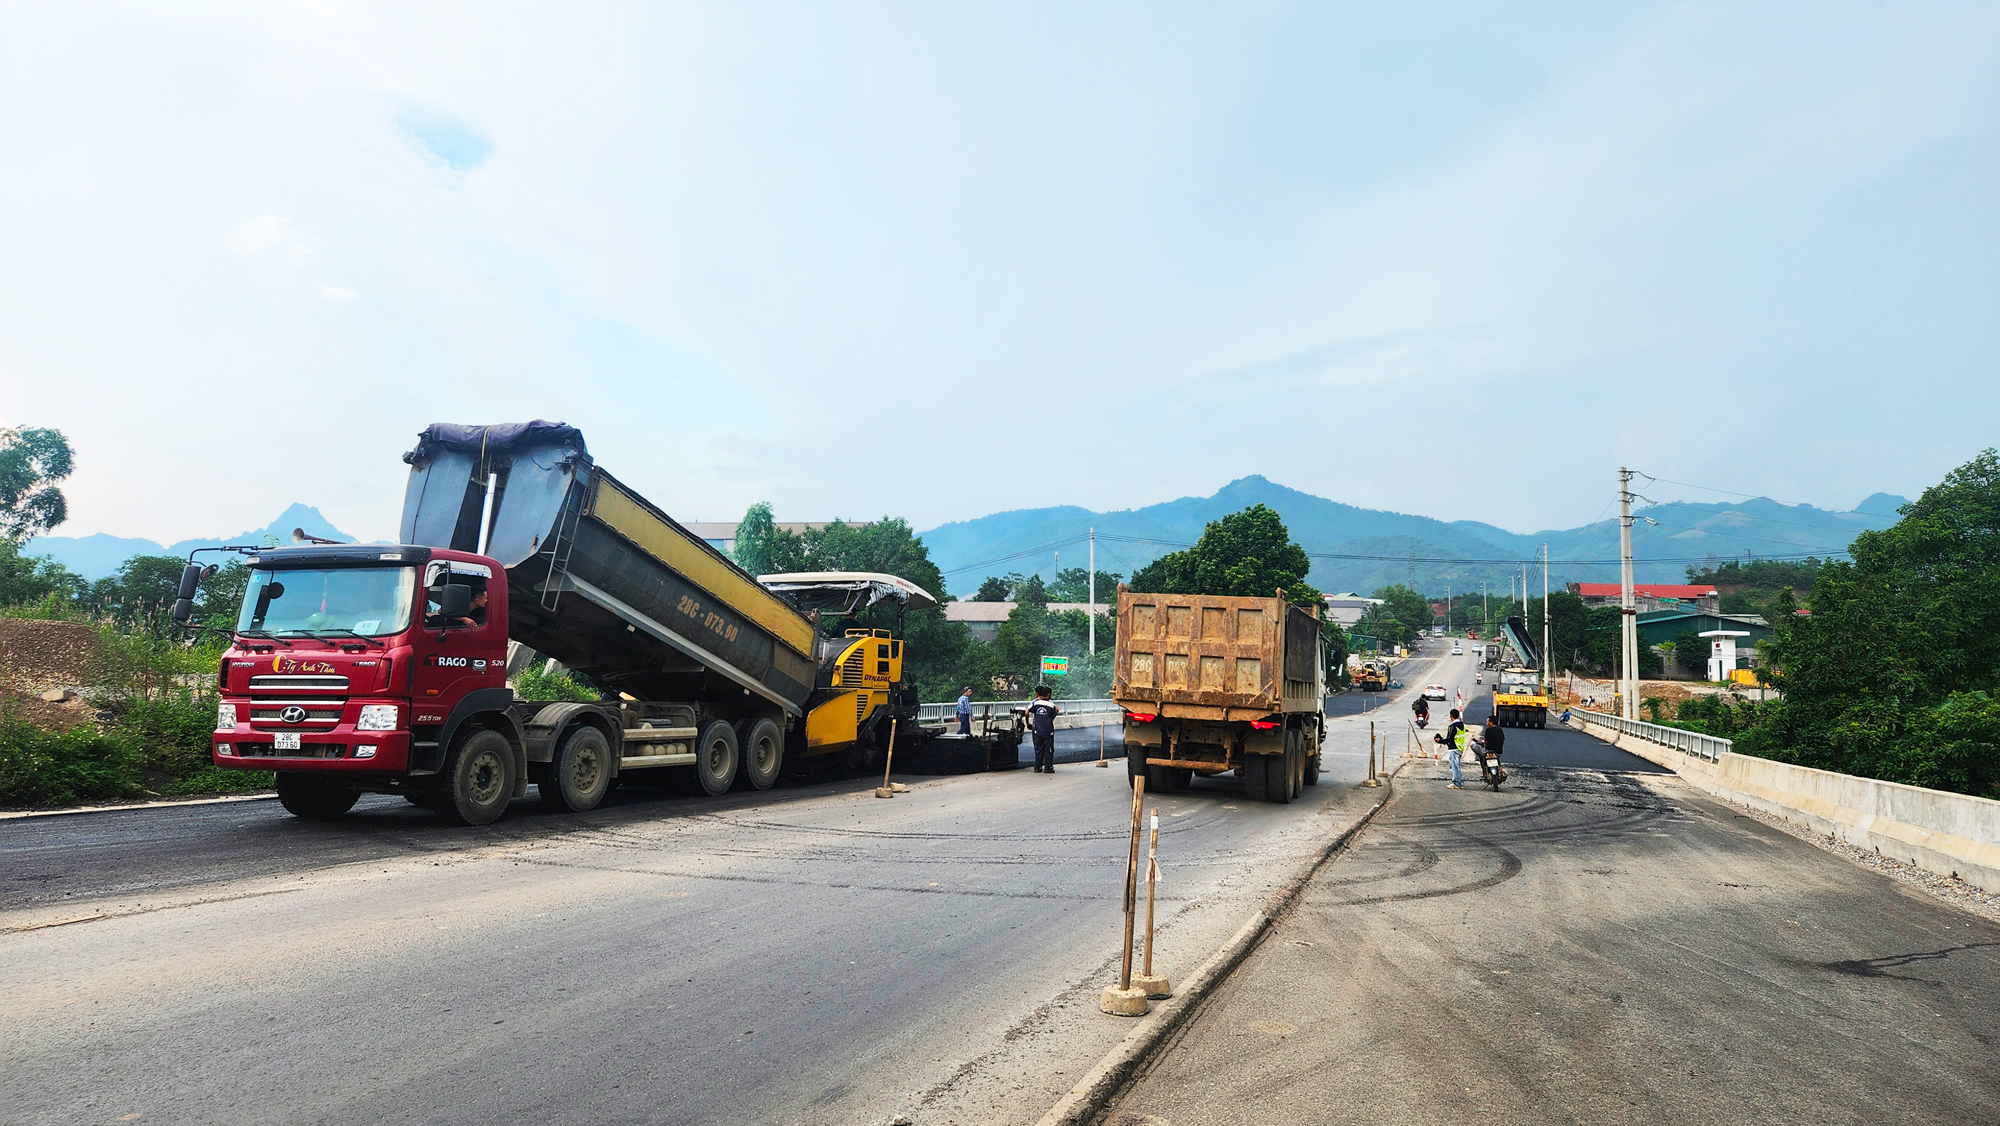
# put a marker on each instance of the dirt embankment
(37, 657)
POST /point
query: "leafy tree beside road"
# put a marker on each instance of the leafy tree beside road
(1244, 554)
(1896, 673)
(32, 462)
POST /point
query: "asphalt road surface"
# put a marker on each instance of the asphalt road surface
(1592, 944)
(810, 954)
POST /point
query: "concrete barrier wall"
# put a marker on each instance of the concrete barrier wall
(1951, 834)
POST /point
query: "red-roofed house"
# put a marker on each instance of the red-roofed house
(1652, 596)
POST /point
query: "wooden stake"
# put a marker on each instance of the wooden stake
(1152, 867)
(1100, 743)
(1132, 881)
(888, 761)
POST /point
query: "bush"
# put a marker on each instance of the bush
(171, 731)
(43, 768)
(535, 686)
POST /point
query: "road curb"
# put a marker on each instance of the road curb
(18, 814)
(1103, 1082)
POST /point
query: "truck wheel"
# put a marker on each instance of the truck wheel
(580, 773)
(1162, 780)
(1278, 778)
(762, 748)
(477, 781)
(1135, 764)
(1312, 769)
(314, 799)
(1295, 765)
(715, 761)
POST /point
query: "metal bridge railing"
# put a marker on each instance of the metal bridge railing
(1694, 743)
(943, 713)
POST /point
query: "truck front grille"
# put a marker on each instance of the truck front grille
(278, 682)
(271, 713)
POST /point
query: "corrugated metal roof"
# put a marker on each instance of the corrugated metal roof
(1646, 590)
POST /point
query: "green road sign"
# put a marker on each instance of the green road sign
(1055, 666)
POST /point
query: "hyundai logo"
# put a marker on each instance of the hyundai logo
(293, 714)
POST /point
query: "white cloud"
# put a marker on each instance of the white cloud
(270, 234)
(335, 293)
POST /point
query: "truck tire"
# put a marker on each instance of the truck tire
(313, 798)
(1256, 773)
(1311, 773)
(1278, 778)
(761, 746)
(477, 781)
(1167, 779)
(580, 772)
(715, 758)
(1135, 765)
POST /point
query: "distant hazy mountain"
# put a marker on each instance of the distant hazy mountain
(97, 556)
(1460, 553)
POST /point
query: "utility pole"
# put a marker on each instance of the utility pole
(1627, 610)
(1447, 609)
(1548, 659)
(1090, 610)
(1485, 614)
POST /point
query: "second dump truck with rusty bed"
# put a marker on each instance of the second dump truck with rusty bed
(1212, 684)
(383, 667)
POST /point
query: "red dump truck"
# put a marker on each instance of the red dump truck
(1212, 684)
(358, 668)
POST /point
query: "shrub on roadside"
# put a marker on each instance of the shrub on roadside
(49, 768)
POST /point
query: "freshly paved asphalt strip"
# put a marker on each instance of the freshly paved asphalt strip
(1591, 945)
(811, 954)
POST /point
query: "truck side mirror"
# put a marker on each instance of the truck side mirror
(454, 601)
(184, 598)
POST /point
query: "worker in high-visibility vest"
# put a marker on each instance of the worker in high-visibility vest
(1454, 739)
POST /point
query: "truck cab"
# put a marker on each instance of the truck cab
(353, 665)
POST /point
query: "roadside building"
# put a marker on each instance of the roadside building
(984, 618)
(1651, 597)
(1349, 608)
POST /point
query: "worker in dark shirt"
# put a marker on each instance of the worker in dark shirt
(1042, 724)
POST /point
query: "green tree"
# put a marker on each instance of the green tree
(1407, 607)
(1072, 584)
(1892, 675)
(26, 579)
(1244, 554)
(1691, 652)
(994, 589)
(140, 596)
(1031, 592)
(32, 461)
(757, 539)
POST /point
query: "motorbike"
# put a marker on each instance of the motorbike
(1423, 719)
(1488, 760)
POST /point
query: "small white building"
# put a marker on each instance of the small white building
(1722, 651)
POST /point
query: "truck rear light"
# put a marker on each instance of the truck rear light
(1140, 717)
(1263, 724)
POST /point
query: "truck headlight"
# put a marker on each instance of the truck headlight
(225, 717)
(377, 717)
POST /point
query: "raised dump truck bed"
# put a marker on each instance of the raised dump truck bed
(603, 581)
(1211, 684)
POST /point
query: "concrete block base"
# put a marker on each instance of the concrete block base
(884, 792)
(1124, 1002)
(1153, 985)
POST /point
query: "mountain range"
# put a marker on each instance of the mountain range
(98, 556)
(1354, 548)
(1361, 549)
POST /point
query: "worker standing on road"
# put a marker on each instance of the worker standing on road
(965, 711)
(1454, 739)
(1042, 722)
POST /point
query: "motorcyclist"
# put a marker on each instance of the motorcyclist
(1422, 708)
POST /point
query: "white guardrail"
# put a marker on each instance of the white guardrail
(945, 712)
(1707, 747)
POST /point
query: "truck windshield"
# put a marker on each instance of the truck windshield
(372, 601)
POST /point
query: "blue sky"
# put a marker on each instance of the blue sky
(941, 260)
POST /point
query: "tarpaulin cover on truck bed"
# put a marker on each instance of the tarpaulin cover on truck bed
(441, 437)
